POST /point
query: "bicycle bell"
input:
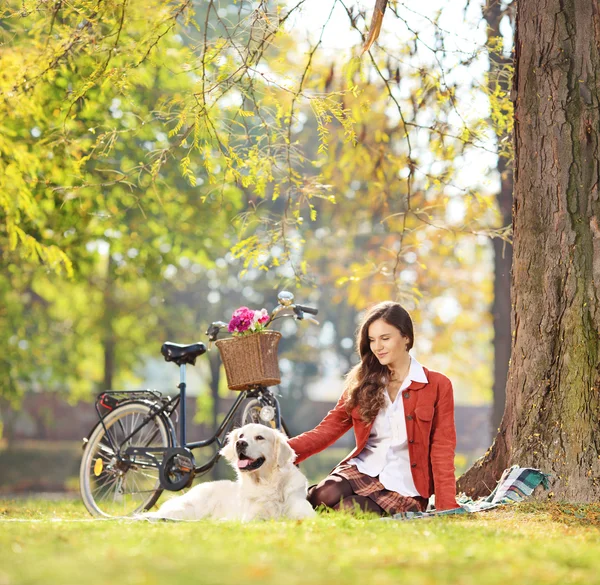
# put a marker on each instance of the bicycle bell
(267, 413)
(285, 298)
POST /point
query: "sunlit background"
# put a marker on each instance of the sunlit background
(71, 338)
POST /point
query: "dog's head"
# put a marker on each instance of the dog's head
(256, 447)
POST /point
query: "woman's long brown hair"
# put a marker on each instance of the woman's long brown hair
(365, 383)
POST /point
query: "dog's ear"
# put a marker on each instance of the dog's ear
(285, 454)
(228, 451)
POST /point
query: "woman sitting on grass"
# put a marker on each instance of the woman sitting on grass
(403, 420)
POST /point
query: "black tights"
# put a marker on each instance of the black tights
(336, 492)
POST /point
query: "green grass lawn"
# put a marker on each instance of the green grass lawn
(44, 542)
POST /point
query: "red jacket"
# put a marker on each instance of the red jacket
(429, 411)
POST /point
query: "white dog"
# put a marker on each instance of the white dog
(269, 485)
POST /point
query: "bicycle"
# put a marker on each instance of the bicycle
(133, 453)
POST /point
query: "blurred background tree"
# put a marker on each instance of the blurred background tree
(163, 163)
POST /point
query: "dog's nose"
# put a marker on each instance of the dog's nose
(240, 445)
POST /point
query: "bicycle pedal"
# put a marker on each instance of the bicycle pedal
(184, 463)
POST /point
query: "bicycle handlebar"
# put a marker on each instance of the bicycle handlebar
(310, 310)
(286, 301)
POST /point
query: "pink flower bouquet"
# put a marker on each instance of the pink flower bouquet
(245, 321)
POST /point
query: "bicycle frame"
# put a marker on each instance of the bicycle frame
(137, 433)
(167, 409)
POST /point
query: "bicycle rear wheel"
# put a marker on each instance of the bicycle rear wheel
(110, 484)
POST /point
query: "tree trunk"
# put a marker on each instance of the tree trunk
(498, 76)
(109, 336)
(553, 392)
(215, 375)
(8, 420)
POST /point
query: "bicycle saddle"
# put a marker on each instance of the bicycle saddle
(182, 354)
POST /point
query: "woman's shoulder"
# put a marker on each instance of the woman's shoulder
(437, 378)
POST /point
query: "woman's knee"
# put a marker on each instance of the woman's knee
(329, 492)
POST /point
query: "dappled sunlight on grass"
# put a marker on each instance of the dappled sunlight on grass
(534, 543)
(35, 508)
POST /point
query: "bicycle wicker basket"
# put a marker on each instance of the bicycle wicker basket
(251, 360)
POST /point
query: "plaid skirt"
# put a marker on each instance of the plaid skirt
(370, 487)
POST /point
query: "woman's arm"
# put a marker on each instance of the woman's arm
(443, 445)
(328, 431)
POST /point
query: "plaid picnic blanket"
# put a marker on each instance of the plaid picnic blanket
(516, 484)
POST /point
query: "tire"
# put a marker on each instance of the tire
(110, 492)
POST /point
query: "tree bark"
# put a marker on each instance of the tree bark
(493, 13)
(215, 376)
(109, 334)
(551, 420)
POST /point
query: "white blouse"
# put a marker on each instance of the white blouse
(386, 452)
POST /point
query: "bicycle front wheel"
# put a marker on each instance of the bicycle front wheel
(111, 484)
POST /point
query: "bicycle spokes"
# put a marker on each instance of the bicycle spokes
(118, 483)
